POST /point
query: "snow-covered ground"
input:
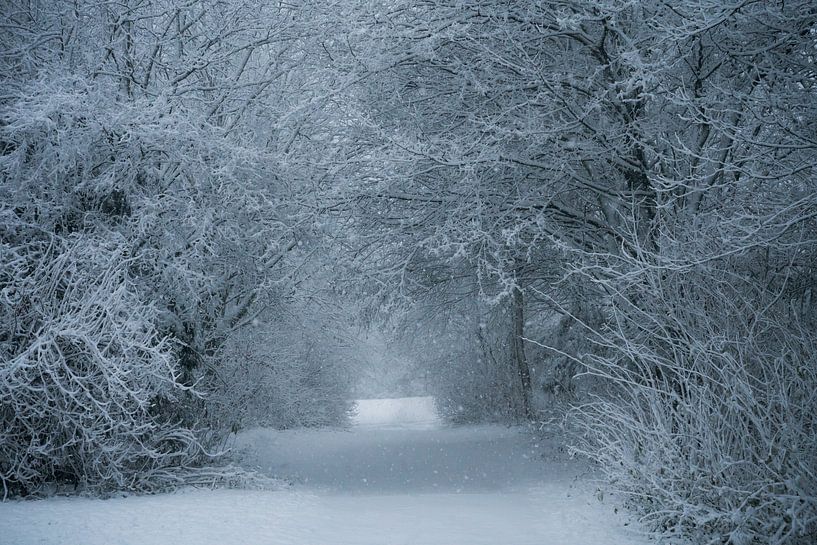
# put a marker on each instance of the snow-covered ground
(398, 477)
(418, 413)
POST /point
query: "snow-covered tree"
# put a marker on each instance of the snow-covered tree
(175, 140)
(661, 157)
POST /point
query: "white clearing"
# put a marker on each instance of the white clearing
(398, 477)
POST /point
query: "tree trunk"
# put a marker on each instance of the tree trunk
(518, 348)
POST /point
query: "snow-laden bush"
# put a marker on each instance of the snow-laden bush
(708, 423)
(477, 383)
(194, 206)
(282, 374)
(465, 355)
(81, 369)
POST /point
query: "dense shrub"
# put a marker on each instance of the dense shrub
(708, 420)
(283, 374)
(82, 370)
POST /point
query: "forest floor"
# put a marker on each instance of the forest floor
(398, 476)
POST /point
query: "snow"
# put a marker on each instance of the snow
(399, 476)
(399, 413)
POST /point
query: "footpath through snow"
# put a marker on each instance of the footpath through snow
(398, 477)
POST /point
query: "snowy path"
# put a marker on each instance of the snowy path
(382, 483)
